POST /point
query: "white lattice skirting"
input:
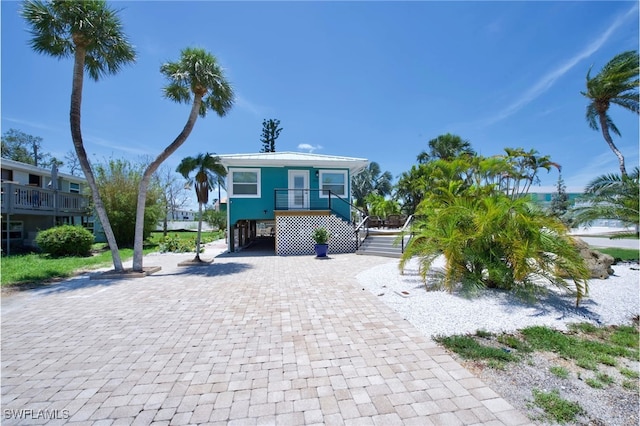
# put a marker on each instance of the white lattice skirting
(293, 234)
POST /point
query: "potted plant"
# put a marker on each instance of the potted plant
(321, 237)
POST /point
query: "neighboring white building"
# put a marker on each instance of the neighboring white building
(182, 215)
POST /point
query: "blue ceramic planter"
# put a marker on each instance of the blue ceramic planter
(321, 250)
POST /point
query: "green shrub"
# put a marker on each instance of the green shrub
(320, 235)
(118, 182)
(215, 218)
(66, 240)
(175, 244)
(477, 214)
(490, 240)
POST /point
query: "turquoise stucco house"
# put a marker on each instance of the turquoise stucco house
(285, 195)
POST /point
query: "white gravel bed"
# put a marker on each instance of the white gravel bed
(615, 300)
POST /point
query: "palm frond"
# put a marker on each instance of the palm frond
(60, 28)
(198, 74)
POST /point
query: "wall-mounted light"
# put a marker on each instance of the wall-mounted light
(317, 173)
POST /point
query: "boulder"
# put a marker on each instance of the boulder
(599, 264)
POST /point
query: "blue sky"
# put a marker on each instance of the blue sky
(364, 79)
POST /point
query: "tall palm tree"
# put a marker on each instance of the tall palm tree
(611, 196)
(616, 83)
(196, 77)
(446, 147)
(209, 173)
(91, 32)
(370, 181)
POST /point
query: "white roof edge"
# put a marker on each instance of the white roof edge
(258, 155)
(282, 159)
(32, 168)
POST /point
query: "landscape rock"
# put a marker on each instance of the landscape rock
(599, 264)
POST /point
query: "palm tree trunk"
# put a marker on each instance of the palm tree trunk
(165, 225)
(146, 177)
(607, 137)
(199, 232)
(76, 136)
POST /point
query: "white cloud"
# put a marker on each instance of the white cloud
(124, 148)
(308, 147)
(33, 124)
(551, 77)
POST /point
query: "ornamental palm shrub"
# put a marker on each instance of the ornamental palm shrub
(380, 206)
(492, 240)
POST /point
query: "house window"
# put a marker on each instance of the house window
(74, 188)
(245, 183)
(15, 230)
(7, 175)
(334, 181)
(34, 180)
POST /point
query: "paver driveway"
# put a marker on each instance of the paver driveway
(245, 340)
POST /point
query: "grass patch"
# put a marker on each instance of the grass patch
(468, 348)
(625, 335)
(586, 352)
(38, 268)
(587, 364)
(629, 373)
(594, 383)
(605, 378)
(483, 333)
(514, 343)
(630, 385)
(584, 327)
(607, 360)
(561, 372)
(621, 254)
(555, 407)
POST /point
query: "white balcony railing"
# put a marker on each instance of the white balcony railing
(26, 199)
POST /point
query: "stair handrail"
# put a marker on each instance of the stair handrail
(359, 226)
(407, 224)
(353, 206)
(331, 207)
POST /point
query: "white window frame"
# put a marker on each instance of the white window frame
(257, 171)
(74, 190)
(336, 172)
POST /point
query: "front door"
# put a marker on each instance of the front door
(298, 189)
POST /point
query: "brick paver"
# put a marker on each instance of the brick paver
(244, 340)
